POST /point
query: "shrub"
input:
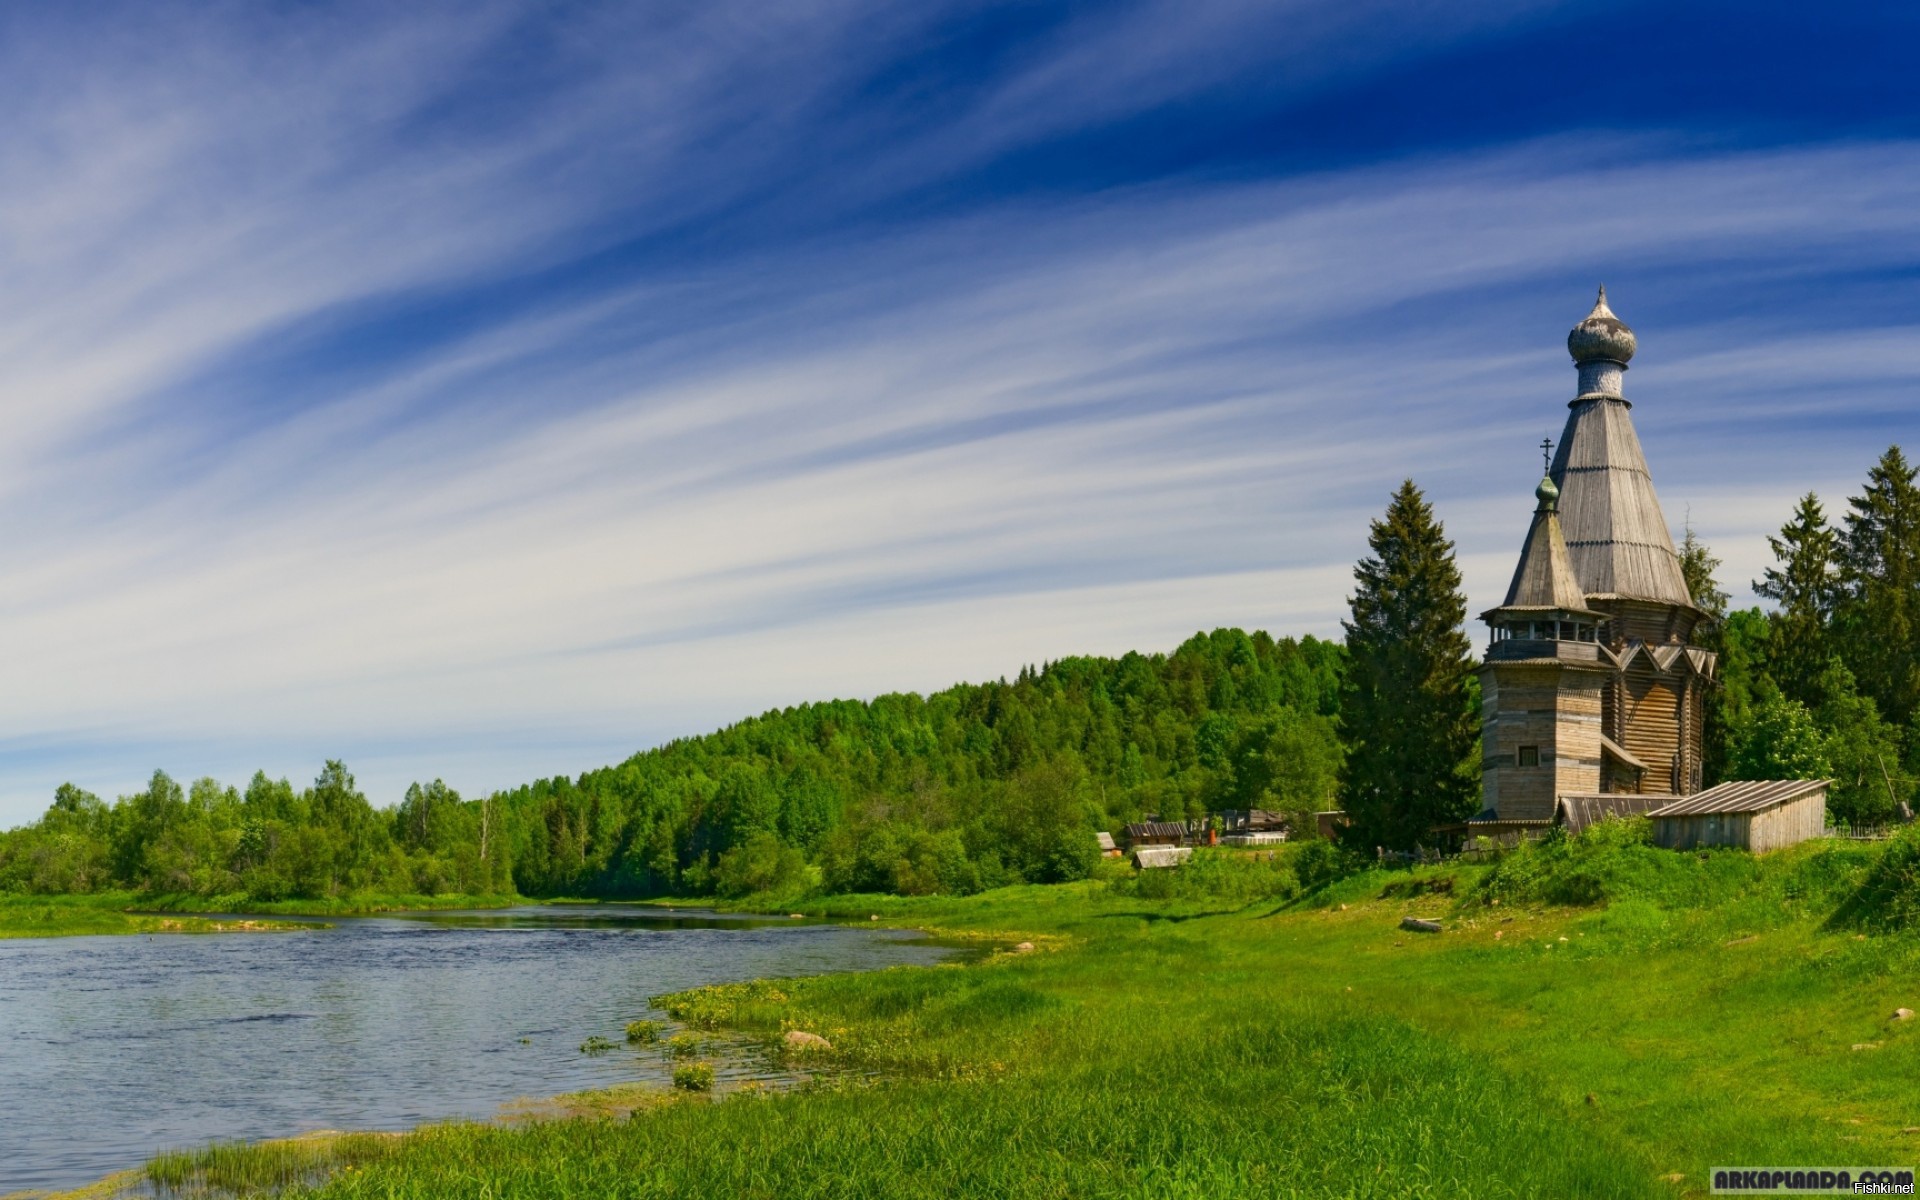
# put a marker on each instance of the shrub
(595, 1045)
(1612, 860)
(643, 1033)
(693, 1077)
(1215, 874)
(1888, 899)
(684, 1045)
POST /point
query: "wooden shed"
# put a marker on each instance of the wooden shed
(1756, 815)
(1104, 841)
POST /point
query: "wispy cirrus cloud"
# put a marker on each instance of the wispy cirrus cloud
(482, 393)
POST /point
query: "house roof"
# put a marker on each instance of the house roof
(1104, 840)
(1155, 829)
(1161, 856)
(1741, 796)
(1577, 810)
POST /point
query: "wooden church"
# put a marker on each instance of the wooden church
(1592, 683)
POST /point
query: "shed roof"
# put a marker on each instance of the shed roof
(1104, 840)
(1577, 810)
(1148, 857)
(1741, 796)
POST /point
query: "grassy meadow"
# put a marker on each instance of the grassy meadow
(1231, 1035)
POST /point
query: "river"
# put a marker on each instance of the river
(113, 1049)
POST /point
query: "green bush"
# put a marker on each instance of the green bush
(643, 1033)
(595, 1045)
(1887, 899)
(693, 1077)
(1612, 860)
(1218, 874)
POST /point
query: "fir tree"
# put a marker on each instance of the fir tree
(1802, 583)
(1405, 708)
(1879, 568)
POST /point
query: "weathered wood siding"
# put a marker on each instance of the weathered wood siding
(1774, 828)
(1655, 712)
(1789, 824)
(1553, 708)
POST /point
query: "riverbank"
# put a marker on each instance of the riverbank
(1712, 1014)
(82, 916)
(137, 913)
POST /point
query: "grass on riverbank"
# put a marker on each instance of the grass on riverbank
(357, 904)
(107, 913)
(1697, 1010)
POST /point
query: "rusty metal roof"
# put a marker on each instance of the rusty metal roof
(1741, 796)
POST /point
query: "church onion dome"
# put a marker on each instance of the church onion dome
(1601, 336)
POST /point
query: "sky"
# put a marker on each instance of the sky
(488, 391)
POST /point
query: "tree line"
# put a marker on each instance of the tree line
(969, 788)
(987, 784)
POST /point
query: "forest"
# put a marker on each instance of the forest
(982, 785)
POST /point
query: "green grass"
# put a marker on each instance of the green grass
(359, 903)
(106, 913)
(1687, 1011)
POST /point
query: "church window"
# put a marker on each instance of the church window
(1529, 756)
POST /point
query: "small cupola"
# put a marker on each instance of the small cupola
(1544, 602)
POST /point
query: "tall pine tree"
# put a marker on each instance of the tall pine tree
(1405, 707)
(1803, 584)
(1879, 612)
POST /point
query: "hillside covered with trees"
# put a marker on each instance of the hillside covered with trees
(972, 787)
(988, 784)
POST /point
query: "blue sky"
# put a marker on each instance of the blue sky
(490, 390)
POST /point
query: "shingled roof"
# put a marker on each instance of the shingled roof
(1544, 578)
(1616, 534)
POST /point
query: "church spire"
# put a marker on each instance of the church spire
(1544, 578)
(1614, 527)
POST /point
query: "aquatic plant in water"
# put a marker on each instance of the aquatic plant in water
(643, 1033)
(693, 1077)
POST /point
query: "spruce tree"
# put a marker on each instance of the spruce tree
(1802, 583)
(1879, 612)
(1405, 706)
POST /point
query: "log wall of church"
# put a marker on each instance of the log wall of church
(1553, 711)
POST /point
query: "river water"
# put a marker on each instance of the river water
(113, 1049)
